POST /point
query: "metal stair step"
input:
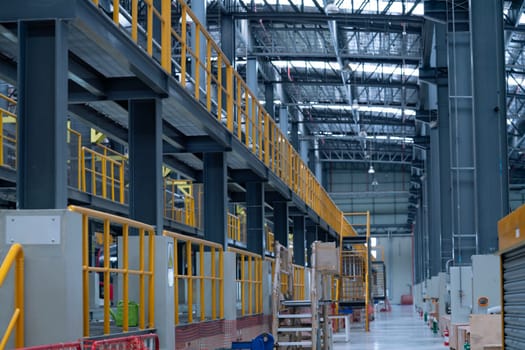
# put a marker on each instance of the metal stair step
(294, 316)
(294, 329)
(296, 303)
(295, 343)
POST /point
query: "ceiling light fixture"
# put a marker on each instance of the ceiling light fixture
(375, 183)
(371, 170)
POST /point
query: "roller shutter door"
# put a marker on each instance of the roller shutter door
(513, 263)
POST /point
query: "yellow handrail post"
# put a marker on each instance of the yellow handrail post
(116, 11)
(141, 280)
(15, 255)
(229, 98)
(149, 30)
(243, 304)
(166, 35)
(125, 278)
(190, 282)
(106, 276)
(151, 287)
(201, 281)
(221, 282)
(85, 275)
(208, 79)
(183, 28)
(134, 19)
(197, 58)
(176, 279)
(213, 286)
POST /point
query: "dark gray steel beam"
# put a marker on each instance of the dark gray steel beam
(100, 122)
(145, 162)
(117, 43)
(280, 222)
(42, 113)
(299, 236)
(7, 70)
(490, 119)
(244, 176)
(320, 56)
(255, 217)
(36, 10)
(311, 236)
(215, 198)
(371, 22)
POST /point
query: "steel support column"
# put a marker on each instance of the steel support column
(215, 197)
(462, 173)
(280, 222)
(268, 98)
(488, 72)
(311, 236)
(255, 217)
(145, 162)
(283, 120)
(42, 115)
(299, 234)
(441, 154)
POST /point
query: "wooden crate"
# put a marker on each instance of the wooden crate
(485, 330)
(444, 323)
(492, 347)
(463, 336)
(454, 335)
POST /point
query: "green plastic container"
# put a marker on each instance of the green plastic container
(133, 313)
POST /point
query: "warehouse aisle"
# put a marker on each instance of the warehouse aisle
(399, 329)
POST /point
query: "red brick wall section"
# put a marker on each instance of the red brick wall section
(220, 334)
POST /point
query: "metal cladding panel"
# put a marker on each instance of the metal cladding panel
(513, 263)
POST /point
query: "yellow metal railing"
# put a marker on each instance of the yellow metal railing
(145, 271)
(198, 271)
(8, 131)
(15, 256)
(270, 241)
(234, 228)
(298, 282)
(102, 175)
(74, 139)
(249, 282)
(235, 105)
(179, 202)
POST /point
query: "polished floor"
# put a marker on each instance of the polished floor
(399, 329)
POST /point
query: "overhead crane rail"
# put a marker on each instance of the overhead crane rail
(237, 107)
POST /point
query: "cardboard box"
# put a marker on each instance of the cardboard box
(485, 330)
(327, 257)
(454, 335)
(463, 336)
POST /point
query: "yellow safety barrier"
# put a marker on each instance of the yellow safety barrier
(8, 131)
(298, 282)
(193, 272)
(104, 174)
(179, 202)
(74, 139)
(15, 256)
(249, 281)
(234, 228)
(270, 241)
(145, 270)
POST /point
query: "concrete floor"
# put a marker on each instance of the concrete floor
(399, 329)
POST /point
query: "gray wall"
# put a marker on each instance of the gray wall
(398, 262)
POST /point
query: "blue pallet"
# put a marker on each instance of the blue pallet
(261, 342)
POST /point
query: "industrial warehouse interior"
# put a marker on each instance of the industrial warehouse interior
(263, 174)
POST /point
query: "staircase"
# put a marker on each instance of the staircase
(294, 324)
